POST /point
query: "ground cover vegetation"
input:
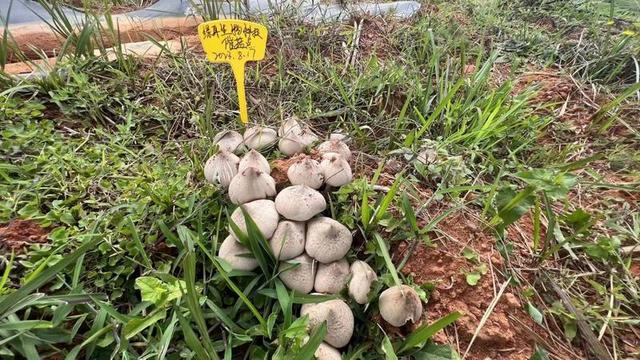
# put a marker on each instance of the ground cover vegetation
(495, 157)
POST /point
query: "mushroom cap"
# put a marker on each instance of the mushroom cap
(294, 138)
(306, 171)
(331, 278)
(256, 160)
(251, 184)
(238, 256)
(362, 275)
(339, 137)
(299, 278)
(300, 202)
(339, 318)
(262, 212)
(289, 125)
(336, 169)
(335, 146)
(399, 304)
(291, 144)
(260, 137)
(221, 168)
(287, 241)
(228, 140)
(327, 240)
(327, 352)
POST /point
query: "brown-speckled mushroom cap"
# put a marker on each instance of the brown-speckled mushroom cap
(339, 318)
(331, 278)
(327, 239)
(299, 278)
(327, 352)
(399, 304)
(288, 240)
(362, 275)
(238, 256)
(299, 202)
(251, 184)
(262, 212)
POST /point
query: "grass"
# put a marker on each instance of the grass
(109, 156)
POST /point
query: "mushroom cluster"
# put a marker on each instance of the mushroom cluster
(311, 248)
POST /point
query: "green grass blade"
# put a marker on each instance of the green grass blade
(382, 246)
(424, 332)
(309, 349)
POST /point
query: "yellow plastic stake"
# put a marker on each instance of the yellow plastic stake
(234, 42)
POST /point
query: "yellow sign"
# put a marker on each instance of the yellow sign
(234, 42)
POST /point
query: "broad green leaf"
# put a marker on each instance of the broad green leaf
(535, 314)
(473, 278)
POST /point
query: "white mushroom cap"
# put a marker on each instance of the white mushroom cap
(306, 171)
(339, 318)
(399, 304)
(327, 240)
(335, 146)
(228, 140)
(331, 278)
(238, 256)
(299, 278)
(290, 144)
(256, 160)
(362, 275)
(338, 137)
(336, 169)
(221, 168)
(294, 138)
(287, 241)
(289, 125)
(327, 352)
(260, 137)
(251, 184)
(262, 212)
(300, 203)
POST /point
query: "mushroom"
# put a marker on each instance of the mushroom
(287, 241)
(335, 146)
(299, 278)
(339, 137)
(238, 256)
(327, 240)
(306, 171)
(339, 320)
(294, 138)
(336, 169)
(300, 203)
(399, 304)
(251, 184)
(327, 352)
(256, 160)
(228, 140)
(262, 212)
(290, 125)
(260, 137)
(221, 168)
(331, 278)
(362, 275)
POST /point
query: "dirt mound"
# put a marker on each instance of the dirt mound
(562, 96)
(445, 267)
(18, 234)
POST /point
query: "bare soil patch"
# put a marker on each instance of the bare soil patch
(98, 6)
(19, 234)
